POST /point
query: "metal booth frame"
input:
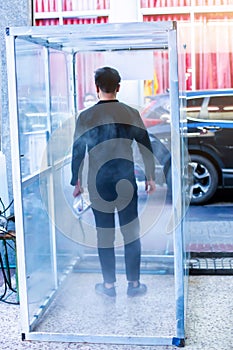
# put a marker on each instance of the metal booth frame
(99, 37)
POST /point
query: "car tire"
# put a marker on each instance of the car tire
(204, 180)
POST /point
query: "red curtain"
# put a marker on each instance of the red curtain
(214, 52)
(47, 22)
(87, 63)
(85, 20)
(71, 5)
(161, 65)
(46, 5)
(213, 63)
(178, 3)
(164, 3)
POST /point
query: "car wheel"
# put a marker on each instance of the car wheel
(204, 181)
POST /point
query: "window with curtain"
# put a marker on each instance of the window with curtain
(70, 5)
(161, 64)
(214, 51)
(211, 65)
(179, 3)
(57, 10)
(208, 36)
(81, 5)
(86, 64)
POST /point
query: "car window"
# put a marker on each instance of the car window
(158, 108)
(194, 106)
(221, 108)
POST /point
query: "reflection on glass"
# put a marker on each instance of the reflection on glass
(43, 102)
(37, 246)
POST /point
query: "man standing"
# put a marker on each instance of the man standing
(107, 131)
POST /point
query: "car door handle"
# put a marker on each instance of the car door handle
(212, 127)
(205, 129)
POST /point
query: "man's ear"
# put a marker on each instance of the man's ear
(118, 88)
(97, 89)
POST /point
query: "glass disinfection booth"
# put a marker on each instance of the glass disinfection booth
(51, 70)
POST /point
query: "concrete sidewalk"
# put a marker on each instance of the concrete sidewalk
(209, 323)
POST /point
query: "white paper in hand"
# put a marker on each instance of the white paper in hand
(80, 204)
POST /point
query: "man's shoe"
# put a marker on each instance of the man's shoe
(101, 289)
(132, 291)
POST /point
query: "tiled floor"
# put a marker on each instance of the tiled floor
(77, 307)
(209, 324)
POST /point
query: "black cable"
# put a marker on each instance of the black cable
(9, 245)
(9, 205)
(9, 302)
(6, 284)
(3, 206)
(4, 277)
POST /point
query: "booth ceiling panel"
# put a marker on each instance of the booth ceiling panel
(97, 37)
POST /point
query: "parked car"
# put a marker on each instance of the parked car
(157, 110)
(210, 143)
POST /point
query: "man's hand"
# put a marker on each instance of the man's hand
(78, 189)
(150, 186)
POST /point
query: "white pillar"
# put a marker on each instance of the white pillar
(124, 11)
(3, 184)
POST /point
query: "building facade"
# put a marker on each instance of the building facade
(205, 27)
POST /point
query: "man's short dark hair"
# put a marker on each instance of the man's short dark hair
(107, 79)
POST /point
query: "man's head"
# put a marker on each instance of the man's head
(107, 79)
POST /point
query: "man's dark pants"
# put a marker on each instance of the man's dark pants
(126, 206)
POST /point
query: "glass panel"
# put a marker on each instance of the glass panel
(32, 114)
(38, 250)
(59, 89)
(184, 28)
(44, 107)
